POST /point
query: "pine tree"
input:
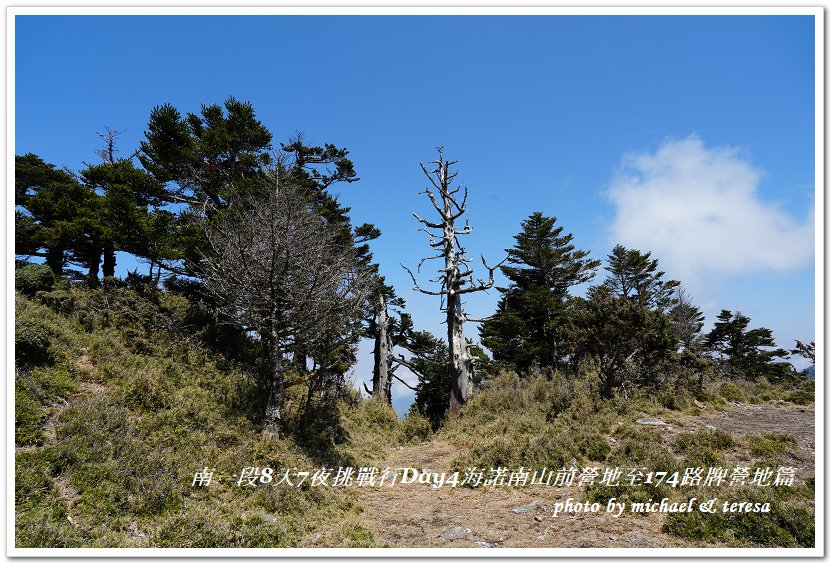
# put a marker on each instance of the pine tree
(55, 212)
(740, 351)
(543, 265)
(634, 275)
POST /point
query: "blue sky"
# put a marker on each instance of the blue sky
(692, 137)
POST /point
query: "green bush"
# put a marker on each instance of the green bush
(800, 397)
(32, 341)
(58, 300)
(769, 446)
(415, 428)
(703, 448)
(593, 446)
(32, 278)
(730, 392)
(786, 525)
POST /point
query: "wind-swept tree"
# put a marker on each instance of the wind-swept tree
(55, 212)
(624, 324)
(205, 158)
(744, 352)
(456, 277)
(628, 341)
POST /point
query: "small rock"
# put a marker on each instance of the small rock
(316, 537)
(710, 427)
(455, 533)
(544, 534)
(651, 422)
(525, 507)
(537, 518)
(269, 518)
(483, 544)
(699, 405)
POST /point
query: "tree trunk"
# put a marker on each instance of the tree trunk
(54, 259)
(381, 376)
(276, 387)
(462, 385)
(109, 259)
(94, 267)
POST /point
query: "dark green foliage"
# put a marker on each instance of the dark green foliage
(634, 275)
(801, 397)
(741, 352)
(431, 362)
(205, 157)
(628, 341)
(529, 325)
(59, 211)
(32, 341)
(128, 215)
(415, 427)
(32, 278)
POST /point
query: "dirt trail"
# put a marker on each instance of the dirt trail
(418, 515)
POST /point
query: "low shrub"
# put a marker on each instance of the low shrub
(769, 446)
(730, 392)
(32, 341)
(800, 397)
(785, 525)
(414, 428)
(703, 448)
(32, 278)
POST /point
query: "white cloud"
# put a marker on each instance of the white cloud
(698, 211)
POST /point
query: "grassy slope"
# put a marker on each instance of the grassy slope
(116, 410)
(121, 412)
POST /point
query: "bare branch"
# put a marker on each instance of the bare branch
(427, 223)
(478, 320)
(421, 263)
(483, 285)
(418, 287)
(404, 382)
(408, 365)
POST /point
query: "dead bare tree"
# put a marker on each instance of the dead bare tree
(276, 268)
(456, 278)
(382, 370)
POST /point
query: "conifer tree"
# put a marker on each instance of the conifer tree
(741, 352)
(528, 327)
(55, 212)
(634, 275)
